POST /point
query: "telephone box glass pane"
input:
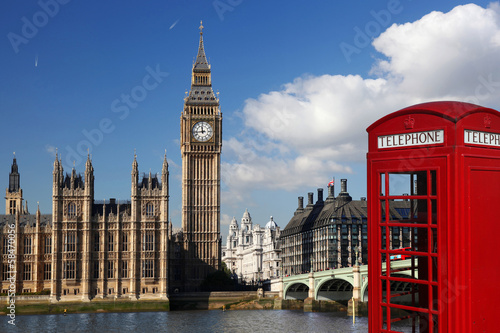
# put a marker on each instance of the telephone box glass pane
(399, 184)
(382, 184)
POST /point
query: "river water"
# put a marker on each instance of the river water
(189, 321)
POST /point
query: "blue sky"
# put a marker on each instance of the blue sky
(299, 83)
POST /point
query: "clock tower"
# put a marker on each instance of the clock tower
(201, 142)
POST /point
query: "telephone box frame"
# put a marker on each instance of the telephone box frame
(450, 152)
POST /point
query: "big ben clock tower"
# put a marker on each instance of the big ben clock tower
(201, 142)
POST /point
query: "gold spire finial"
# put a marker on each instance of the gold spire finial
(201, 27)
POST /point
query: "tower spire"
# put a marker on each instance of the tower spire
(14, 177)
(201, 63)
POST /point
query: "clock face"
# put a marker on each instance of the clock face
(202, 131)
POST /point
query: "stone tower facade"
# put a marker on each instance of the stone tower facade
(14, 193)
(108, 248)
(201, 142)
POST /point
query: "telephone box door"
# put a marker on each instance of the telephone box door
(408, 266)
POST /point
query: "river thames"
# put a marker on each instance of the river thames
(190, 321)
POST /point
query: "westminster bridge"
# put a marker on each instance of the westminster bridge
(338, 284)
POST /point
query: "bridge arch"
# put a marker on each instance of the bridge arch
(297, 290)
(397, 287)
(334, 289)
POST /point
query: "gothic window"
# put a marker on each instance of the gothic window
(96, 269)
(149, 241)
(70, 242)
(5, 272)
(5, 245)
(125, 242)
(96, 242)
(234, 243)
(247, 239)
(27, 272)
(148, 268)
(150, 209)
(47, 271)
(27, 245)
(110, 270)
(69, 269)
(111, 243)
(48, 244)
(124, 269)
(12, 207)
(71, 209)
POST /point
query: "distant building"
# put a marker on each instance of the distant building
(327, 234)
(88, 248)
(332, 233)
(251, 252)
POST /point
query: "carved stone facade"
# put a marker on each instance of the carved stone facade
(201, 143)
(253, 253)
(86, 248)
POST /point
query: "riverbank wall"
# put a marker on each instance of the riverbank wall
(244, 300)
(26, 305)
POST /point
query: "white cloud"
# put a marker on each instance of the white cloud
(315, 126)
(50, 149)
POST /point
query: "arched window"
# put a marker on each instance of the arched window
(150, 209)
(71, 209)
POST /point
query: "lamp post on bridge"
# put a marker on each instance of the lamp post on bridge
(356, 291)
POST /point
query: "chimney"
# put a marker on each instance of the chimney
(310, 198)
(331, 194)
(310, 201)
(301, 203)
(343, 196)
(320, 195)
(343, 185)
(300, 207)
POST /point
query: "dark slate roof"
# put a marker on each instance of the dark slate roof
(201, 64)
(7, 219)
(97, 208)
(201, 95)
(155, 182)
(26, 220)
(78, 180)
(342, 209)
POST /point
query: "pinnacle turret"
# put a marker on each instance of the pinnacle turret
(14, 177)
(165, 164)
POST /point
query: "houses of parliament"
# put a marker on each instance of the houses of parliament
(90, 249)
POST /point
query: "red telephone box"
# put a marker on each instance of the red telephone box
(434, 219)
